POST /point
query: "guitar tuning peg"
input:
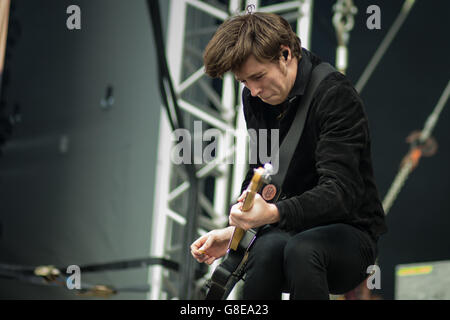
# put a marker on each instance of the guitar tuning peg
(268, 168)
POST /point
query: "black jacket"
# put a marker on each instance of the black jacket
(330, 178)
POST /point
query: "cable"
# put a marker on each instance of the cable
(49, 275)
(412, 158)
(407, 6)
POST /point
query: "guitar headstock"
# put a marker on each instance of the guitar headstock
(261, 176)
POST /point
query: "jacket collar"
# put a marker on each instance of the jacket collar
(303, 74)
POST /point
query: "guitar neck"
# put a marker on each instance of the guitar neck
(239, 232)
(232, 268)
(248, 201)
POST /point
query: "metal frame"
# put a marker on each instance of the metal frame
(228, 119)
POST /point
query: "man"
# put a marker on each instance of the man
(321, 237)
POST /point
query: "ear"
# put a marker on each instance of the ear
(285, 53)
(285, 58)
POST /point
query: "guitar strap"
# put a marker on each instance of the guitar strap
(290, 142)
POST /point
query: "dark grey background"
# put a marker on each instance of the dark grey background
(94, 203)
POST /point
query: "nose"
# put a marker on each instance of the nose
(254, 89)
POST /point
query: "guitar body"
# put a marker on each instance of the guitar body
(232, 268)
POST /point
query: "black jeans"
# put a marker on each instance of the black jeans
(310, 264)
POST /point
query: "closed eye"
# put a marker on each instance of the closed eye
(255, 78)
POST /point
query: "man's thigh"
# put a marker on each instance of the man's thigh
(344, 250)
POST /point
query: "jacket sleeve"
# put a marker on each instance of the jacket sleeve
(342, 135)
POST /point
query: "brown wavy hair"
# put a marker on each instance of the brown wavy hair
(259, 34)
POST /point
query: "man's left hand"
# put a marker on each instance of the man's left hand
(260, 214)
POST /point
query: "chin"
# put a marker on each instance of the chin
(273, 101)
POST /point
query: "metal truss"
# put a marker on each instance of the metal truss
(217, 105)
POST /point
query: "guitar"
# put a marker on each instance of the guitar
(232, 268)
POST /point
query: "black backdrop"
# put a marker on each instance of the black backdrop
(399, 96)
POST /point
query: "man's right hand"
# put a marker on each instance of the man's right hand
(212, 245)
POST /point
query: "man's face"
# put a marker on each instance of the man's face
(270, 81)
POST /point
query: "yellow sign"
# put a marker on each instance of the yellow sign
(414, 271)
